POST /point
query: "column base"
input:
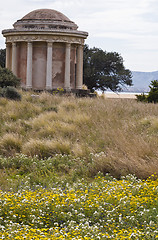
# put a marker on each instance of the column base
(66, 92)
(48, 88)
(28, 87)
(68, 89)
(78, 87)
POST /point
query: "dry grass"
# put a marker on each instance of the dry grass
(120, 135)
(46, 148)
(10, 144)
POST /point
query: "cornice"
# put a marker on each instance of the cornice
(52, 32)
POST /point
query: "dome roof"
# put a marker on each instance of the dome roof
(45, 19)
(46, 14)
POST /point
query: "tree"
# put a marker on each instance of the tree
(153, 93)
(152, 96)
(2, 57)
(104, 70)
(7, 78)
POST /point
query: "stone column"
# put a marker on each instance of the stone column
(14, 59)
(79, 69)
(7, 63)
(29, 66)
(67, 66)
(49, 66)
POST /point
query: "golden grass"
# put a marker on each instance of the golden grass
(124, 131)
(10, 144)
(46, 148)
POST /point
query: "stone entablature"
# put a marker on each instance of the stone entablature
(46, 53)
(45, 37)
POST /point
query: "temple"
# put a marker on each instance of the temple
(45, 50)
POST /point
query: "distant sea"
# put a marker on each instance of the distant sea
(127, 95)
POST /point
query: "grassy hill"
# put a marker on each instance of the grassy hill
(56, 136)
(55, 156)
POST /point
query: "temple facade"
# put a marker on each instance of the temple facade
(45, 50)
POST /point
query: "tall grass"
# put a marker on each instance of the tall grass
(118, 136)
(51, 149)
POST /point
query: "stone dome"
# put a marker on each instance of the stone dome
(45, 19)
(46, 14)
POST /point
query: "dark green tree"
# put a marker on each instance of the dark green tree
(153, 93)
(2, 57)
(152, 96)
(7, 78)
(104, 70)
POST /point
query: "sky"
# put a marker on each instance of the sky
(129, 27)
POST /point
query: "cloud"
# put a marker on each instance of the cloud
(127, 26)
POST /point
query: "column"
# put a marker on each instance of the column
(49, 66)
(29, 66)
(67, 66)
(79, 69)
(14, 60)
(7, 63)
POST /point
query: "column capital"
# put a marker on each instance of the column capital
(29, 43)
(8, 44)
(80, 46)
(49, 44)
(68, 45)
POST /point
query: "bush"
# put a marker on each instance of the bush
(7, 78)
(142, 97)
(11, 93)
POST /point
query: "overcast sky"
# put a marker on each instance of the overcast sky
(129, 27)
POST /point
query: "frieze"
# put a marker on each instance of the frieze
(44, 38)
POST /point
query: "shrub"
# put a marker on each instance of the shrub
(11, 93)
(141, 98)
(7, 78)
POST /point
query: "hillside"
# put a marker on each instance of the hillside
(76, 168)
(141, 81)
(76, 137)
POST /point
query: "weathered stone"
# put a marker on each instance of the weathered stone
(45, 50)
